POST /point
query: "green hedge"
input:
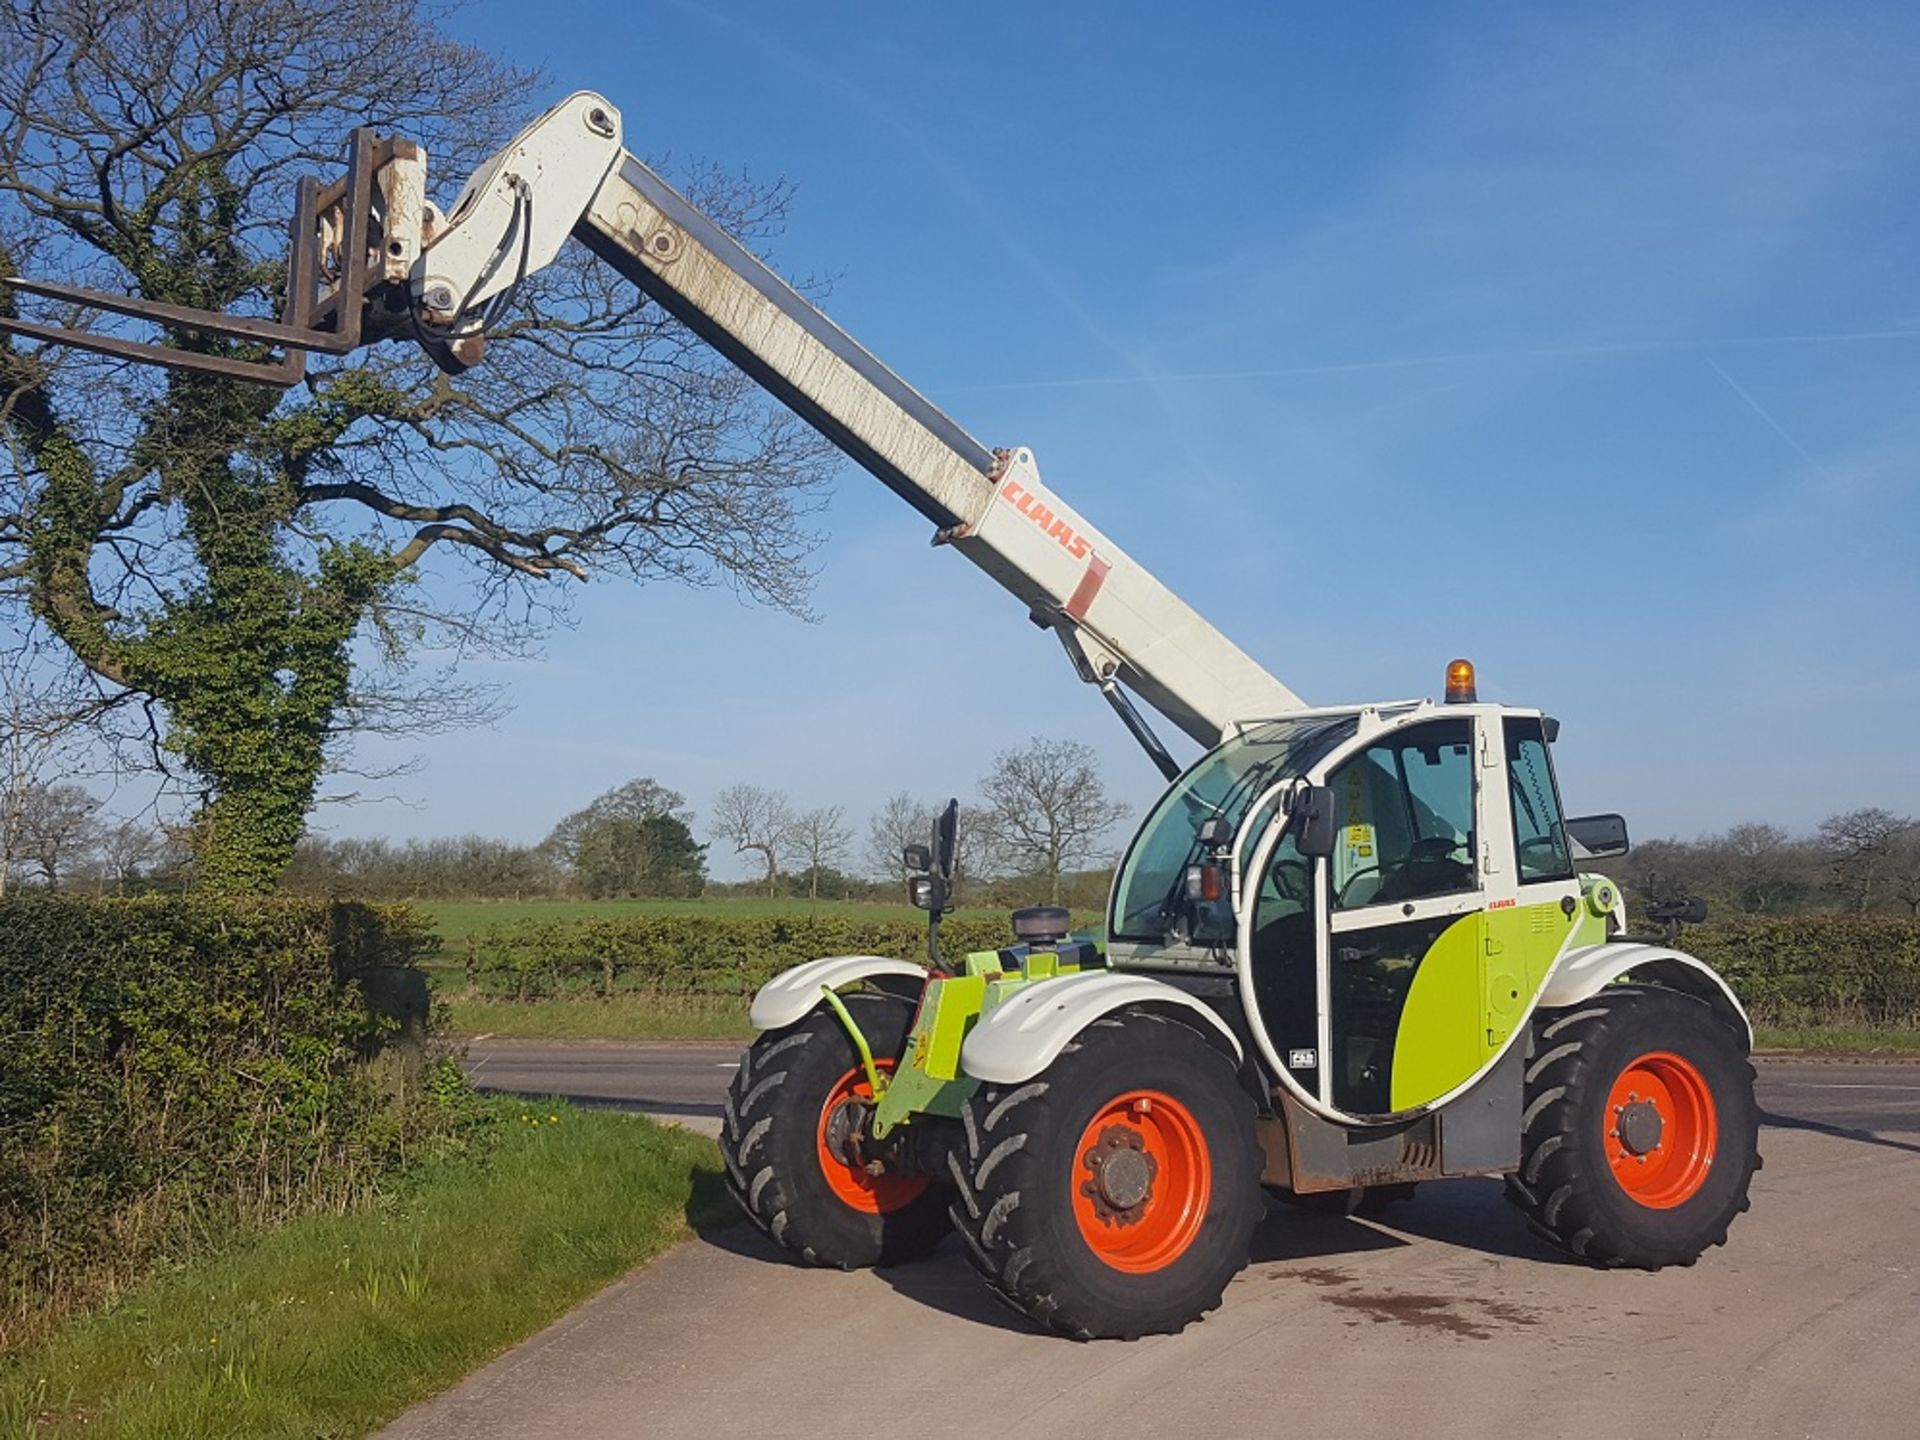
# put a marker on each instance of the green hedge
(172, 1066)
(1788, 970)
(693, 954)
(1809, 969)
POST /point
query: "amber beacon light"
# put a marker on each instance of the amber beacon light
(1460, 688)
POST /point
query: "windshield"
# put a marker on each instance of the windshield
(1225, 783)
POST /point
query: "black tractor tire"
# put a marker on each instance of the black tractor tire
(770, 1139)
(1567, 1184)
(1023, 1174)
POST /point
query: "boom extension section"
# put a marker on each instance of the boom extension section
(386, 263)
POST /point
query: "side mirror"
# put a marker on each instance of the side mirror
(1598, 836)
(946, 831)
(1313, 823)
(928, 892)
(917, 859)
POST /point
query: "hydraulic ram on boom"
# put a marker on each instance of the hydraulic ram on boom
(568, 174)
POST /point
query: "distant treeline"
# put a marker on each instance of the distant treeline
(463, 867)
(1861, 862)
(637, 841)
(478, 867)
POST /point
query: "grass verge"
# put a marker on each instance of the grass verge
(330, 1326)
(1858, 1041)
(625, 1017)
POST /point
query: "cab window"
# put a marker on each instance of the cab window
(1406, 817)
(1540, 841)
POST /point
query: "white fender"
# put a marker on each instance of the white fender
(792, 993)
(1587, 969)
(1020, 1037)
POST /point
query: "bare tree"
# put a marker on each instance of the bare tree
(820, 838)
(125, 848)
(1044, 808)
(904, 821)
(1862, 848)
(56, 829)
(1903, 870)
(49, 711)
(229, 558)
(750, 818)
(900, 821)
(1765, 866)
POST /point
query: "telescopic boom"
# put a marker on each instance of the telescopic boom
(568, 174)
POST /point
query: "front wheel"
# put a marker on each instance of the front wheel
(1114, 1195)
(794, 1102)
(1641, 1129)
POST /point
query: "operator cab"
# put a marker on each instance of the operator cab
(1388, 956)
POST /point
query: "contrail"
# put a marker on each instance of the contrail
(1457, 357)
(1771, 423)
(981, 209)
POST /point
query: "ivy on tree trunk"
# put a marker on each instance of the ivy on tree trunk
(230, 558)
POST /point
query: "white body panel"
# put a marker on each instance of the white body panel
(791, 994)
(1048, 554)
(1583, 972)
(518, 209)
(818, 362)
(1018, 1039)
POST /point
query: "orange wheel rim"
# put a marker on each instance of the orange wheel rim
(1661, 1130)
(870, 1194)
(1141, 1180)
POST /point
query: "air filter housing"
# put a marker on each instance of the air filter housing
(1041, 924)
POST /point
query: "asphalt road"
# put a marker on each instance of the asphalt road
(1446, 1319)
(671, 1080)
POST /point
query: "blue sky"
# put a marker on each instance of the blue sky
(1584, 342)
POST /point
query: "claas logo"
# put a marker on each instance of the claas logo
(1069, 539)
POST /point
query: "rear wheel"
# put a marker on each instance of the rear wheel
(792, 1112)
(1115, 1194)
(1641, 1129)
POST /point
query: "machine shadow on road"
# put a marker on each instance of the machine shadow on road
(1837, 1132)
(1467, 1213)
(1472, 1214)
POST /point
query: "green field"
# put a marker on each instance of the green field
(679, 1017)
(633, 1016)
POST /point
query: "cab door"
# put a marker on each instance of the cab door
(1404, 981)
(1534, 905)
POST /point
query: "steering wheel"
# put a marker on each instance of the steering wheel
(1439, 848)
(1348, 883)
(1292, 880)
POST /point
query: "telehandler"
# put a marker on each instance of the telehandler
(1349, 950)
